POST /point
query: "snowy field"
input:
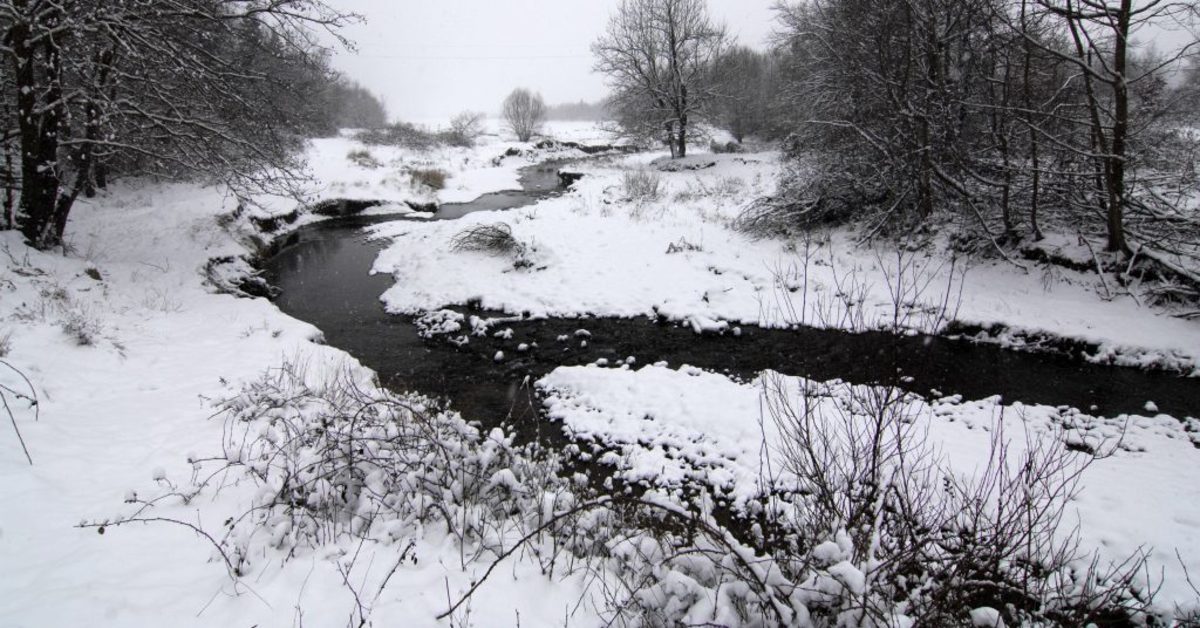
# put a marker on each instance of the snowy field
(127, 349)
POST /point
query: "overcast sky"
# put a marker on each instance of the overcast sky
(429, 59)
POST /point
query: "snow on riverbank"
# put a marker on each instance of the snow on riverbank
(126, 348)
(604, 251)
(665, 426)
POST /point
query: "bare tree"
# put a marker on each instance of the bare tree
(201, 88)
(993, 113)
(524, 112)
(658, 56)
(465, 128)
(745, 79)
(1100, 48)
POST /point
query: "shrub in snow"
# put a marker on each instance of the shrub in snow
(641, 185)
(399, 134)
(80, 326)
(912, 537)
(495, 238)
(337, 458)
(431, 178)
(363, 158)
(465, 129)
(5, 343)
(870, 530)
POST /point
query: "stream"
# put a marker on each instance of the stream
(323, 274)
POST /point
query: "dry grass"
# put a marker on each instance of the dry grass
(640, 185)
(363, 158)
(431, 178)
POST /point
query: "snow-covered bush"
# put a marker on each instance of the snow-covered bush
(875, 531)
(879, 527)
(80, 326)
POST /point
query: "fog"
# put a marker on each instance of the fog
(428, 60)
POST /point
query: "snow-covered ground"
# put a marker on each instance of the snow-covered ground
(667, 426)
(126, 349)
(597, 251)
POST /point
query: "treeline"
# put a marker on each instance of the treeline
(1001, 115)
(578, 111)
(1002, 111)
(345, 104)
(198, 89)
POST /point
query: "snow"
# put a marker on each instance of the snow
(666, 426)
(122, 416)
(986, 617)
(126, 367)
(602, 254)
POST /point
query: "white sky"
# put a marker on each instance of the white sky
(429, 59)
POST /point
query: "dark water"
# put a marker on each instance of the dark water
(324, 281)
(537, 182)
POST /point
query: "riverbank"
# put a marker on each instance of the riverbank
(609, 249)
(127, 346)
(128, 349)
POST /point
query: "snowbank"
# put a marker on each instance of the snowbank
(604, 253)
(662, 427)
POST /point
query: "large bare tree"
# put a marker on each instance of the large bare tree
(659, 58)
(524, 112)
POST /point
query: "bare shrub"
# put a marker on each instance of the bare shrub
(885, 527)
(925, 291)
(642, 185)
(432, 178)
(12, 397)
(804, 204)
(363, 158)
(496, 238)
(80, 326)
(465, 129)
(338, 459)
(524, 112)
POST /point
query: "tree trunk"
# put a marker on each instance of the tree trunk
(39, 133)
(681, 151)
(1115, 170)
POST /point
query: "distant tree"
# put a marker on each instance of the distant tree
(353, 106)
(659, 58)
(524, 112)
(581, 110)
